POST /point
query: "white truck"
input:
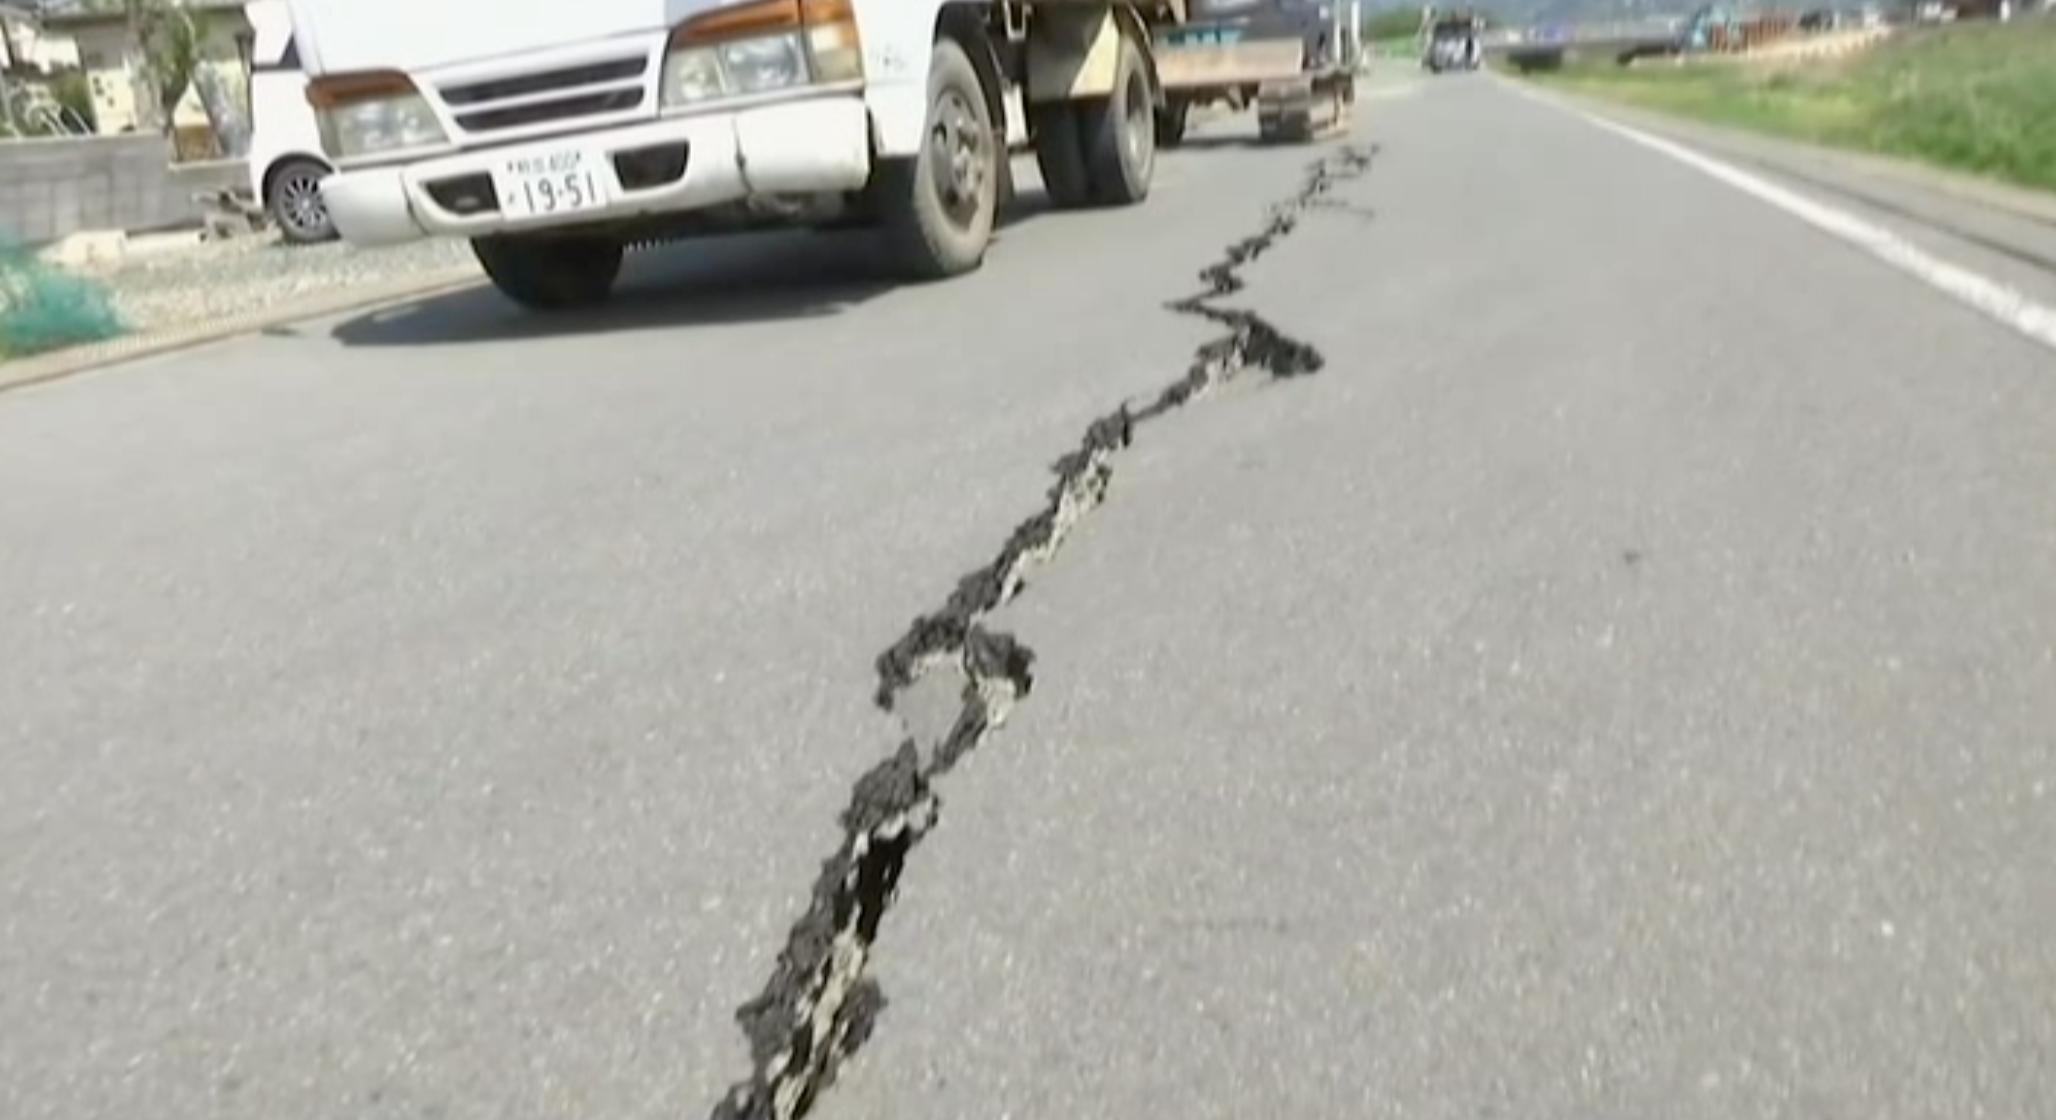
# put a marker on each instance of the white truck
(555, 133)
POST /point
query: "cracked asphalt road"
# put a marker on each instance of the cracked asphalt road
(1619, 683)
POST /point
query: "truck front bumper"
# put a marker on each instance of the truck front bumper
(821, 144)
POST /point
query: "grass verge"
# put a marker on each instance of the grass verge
(1394, 46)
(1978, 98)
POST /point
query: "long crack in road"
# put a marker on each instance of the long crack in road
(820, 1005)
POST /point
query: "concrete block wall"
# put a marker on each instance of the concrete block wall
(51, 188)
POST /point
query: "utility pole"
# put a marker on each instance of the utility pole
(8, 14)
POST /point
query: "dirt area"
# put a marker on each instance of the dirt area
(185, 283)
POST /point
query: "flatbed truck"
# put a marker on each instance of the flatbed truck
(1294, 61)
(555, 134)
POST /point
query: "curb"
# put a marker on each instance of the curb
(59, 364)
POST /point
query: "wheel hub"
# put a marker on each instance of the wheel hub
(303, 205)
(958, 159)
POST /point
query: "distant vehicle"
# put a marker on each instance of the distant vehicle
(286, 161)
(1453, 45)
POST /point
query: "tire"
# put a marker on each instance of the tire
(545, 273)
(1170, 122)
(1060, 154)
(938, 208)
(292, 196)
(1004, 202)
(1120, 133)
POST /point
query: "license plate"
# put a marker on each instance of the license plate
(546, 185)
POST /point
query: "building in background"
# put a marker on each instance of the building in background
(26, 46)
(111, 56)
(36, 69)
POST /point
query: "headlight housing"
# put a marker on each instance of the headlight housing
(763, 63)
(761, 47)
(832, 43)
(373, 114)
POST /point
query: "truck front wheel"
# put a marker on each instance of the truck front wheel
(938, 207)
(545, 273)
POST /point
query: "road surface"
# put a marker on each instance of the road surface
(1585, 647)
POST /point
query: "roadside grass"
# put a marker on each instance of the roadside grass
(1975, 97)
(1393, 46)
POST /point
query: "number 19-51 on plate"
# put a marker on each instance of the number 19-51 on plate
(540, 186)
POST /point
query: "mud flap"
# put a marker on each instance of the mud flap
(1285, 109)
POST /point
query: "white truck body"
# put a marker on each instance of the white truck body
(460, 55)
(358, 34)
(553, 133)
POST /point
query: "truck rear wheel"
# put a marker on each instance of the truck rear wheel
(1120, 133)
(938, 207)
(1170, 122)
(1060, 154)
(546, 273)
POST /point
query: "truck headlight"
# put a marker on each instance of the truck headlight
(690, 75)
(764, 63)
(373, 114)
(760, 47)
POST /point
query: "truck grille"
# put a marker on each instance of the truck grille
(584, 105)
(593, 89)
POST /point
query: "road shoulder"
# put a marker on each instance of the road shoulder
(81, 359)
(1779, 154)
(2002, 234)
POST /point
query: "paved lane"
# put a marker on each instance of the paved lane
(1620, 685)
(438, 714)
(1612, 686)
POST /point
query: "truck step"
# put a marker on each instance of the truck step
(1300, 110)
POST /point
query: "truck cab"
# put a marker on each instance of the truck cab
(552, 133)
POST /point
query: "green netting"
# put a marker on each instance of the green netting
(42, 308)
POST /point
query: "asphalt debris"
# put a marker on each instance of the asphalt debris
(820, 1005)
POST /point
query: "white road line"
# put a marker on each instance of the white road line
(1998, 301)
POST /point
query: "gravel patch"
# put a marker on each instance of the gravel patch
(191, 287)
